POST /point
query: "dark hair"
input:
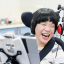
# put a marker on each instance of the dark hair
(42, 15)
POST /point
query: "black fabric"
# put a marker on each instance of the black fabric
(26, 18)
(60, 42)
(28, 34)
(47, 48)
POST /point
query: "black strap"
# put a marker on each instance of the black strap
(47, 48)
(60, 42)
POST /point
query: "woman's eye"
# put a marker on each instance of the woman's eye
(43, 24)
(52, 25)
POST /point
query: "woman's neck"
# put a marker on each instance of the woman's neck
(40, 46)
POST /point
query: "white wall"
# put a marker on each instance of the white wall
(13, 9)
(33, 5)
(10, 9)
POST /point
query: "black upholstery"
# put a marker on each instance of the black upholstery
(26, 18)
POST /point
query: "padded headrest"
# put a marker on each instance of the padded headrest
(57, 13)
(26, 18)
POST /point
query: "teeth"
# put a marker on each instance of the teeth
(45, 35)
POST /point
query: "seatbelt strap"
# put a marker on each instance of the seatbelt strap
(47, 48)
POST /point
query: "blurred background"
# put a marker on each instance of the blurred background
(12, 9)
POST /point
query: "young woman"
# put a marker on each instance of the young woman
(43, 26)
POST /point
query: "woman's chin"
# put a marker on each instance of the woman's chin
(45, 41)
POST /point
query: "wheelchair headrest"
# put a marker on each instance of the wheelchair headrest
(26, 18)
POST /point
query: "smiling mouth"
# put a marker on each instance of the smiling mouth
(45, 35)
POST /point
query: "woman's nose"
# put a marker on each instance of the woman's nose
(47, 28)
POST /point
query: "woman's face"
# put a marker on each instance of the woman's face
(44, 32)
